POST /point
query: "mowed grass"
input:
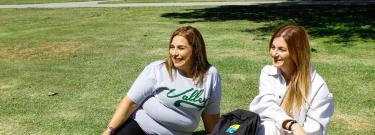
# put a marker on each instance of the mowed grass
(91, 56)
(13, 2)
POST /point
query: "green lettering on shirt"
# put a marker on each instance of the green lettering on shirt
(191, 96)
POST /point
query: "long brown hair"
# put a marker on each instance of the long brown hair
(200, 63)
(298, 89)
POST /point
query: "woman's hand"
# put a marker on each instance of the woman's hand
(298, 129)
(122, 113)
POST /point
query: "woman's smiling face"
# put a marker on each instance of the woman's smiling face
(280, 54)
(181, 54)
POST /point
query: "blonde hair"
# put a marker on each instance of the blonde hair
(200, 63)
(298, 89)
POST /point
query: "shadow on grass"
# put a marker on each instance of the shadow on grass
(344, 23)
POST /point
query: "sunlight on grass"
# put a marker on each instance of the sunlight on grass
(355, 123)
(91, 56)
(42, 51)
(233, 52)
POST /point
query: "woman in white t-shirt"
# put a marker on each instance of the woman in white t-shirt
(171, 96)
(293, 98)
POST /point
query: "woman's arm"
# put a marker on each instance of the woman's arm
(266, 103)
(123, 111)
(209, 121)
(319, 113)
(294, 126)
(211, 114)
(138, 92)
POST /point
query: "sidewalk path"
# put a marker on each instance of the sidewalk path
(96, 4)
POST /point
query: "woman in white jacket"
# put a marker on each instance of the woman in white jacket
(293, 98)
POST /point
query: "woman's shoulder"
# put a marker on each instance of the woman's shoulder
(155, 65)
(316, 78)
(319, 86)
(213, 70)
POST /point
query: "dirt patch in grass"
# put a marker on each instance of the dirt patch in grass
(158, 51)
(354, 122)
(326, 57)
(46, 50)
(4, 86)
(8, 84)
(9, 128)
(342, 58)
(68, 115)
(241, 77)
(233, 52)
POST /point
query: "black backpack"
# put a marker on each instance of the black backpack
(238, 122)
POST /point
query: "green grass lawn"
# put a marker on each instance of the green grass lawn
(11, 2)
(91, 56)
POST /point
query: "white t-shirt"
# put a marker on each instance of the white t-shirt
(173, 106)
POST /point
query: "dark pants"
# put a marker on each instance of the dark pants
(130, 127)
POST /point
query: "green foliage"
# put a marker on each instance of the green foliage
(91, 56)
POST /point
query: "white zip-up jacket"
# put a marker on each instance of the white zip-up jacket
(314, 117)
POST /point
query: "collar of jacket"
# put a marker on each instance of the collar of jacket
(274, 71)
